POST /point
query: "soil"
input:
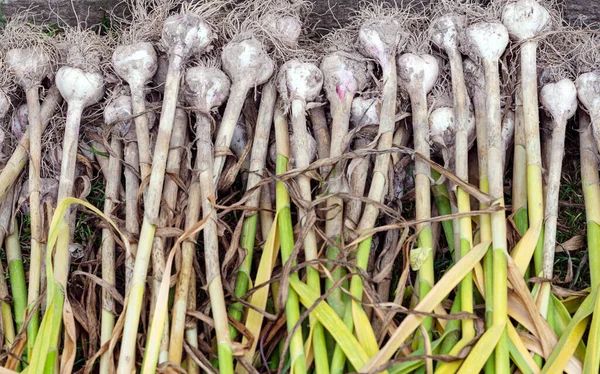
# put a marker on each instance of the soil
(332, 12)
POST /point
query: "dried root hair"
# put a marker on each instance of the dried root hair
(342, 39)
(459, 7)
(87, 50)
(371, 10)
(8, 88)
(211, 59)
(584, 50)
(558, 46)
(418, 41)
(490, 12)
(256, 18)
(510, 75)
(52, 140)
(141, 20)
(8, 85)
(8, 141)
(25, 30)
(559, 54)
(408, 17)
(212, 13)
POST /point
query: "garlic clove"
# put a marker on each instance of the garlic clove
(474, 78)
(239, 141)
(442, 127)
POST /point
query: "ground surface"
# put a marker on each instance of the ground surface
(331, 12)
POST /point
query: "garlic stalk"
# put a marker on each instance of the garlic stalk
(345, 74)
(447, 29)
(185, 34)
(247, 65)
(298, 84)
(13, 168)
(380, 39)
(132, 185)
(117, 110)
(30, 66)
(488, 41)
(363, 112)
(560, 100)
(81, 84)
(169, 207)
(206, 89)
(136, 64)
(417, 74)
(475, 81)
(525, 19)
(258, 158)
